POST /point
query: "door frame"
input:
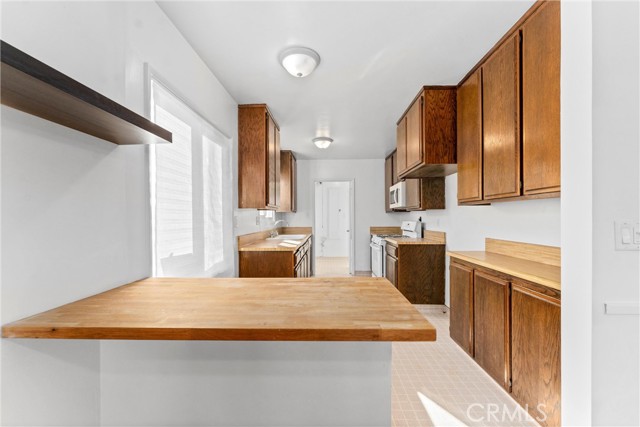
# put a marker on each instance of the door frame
(352, 221)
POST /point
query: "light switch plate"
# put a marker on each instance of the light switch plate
(627, 236)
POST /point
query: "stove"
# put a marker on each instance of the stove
(379, 238)
(378, 245)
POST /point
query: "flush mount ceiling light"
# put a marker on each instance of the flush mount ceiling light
(299, 61)
(322, 141)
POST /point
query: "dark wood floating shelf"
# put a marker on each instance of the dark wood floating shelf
(35, 88)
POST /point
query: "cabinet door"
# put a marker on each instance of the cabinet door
(388, 181)
(401, 147)
(501, 115)
(287, 200)
(394, 167)
(414, 134)
(491, 326)
(277, 166)
(294, 184)
(470, 139)
(535, 335)
(272, 200)
(541, 100)
(461, 306)
(391, 272)
(414, 192)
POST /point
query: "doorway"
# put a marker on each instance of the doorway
(334, 228)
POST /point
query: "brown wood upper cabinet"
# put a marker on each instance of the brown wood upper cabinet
(426, 134)
(288, 181)
(422, 194)
(541, 100)
(258, 158)
(509, 106)
(470, 139)
(501, 113)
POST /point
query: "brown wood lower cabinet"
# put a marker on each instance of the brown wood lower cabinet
(391, 270)
(512, 329)
(417, 271)
(461, 301)
(277, 263)
(491, 326)
(535, 361)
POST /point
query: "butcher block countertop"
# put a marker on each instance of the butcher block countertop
(313, 309)
(275, 245)
(260, 241)
(535, 263)
(430, 238)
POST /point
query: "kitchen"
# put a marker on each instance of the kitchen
(84, 227)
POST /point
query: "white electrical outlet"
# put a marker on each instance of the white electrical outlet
(627, 236)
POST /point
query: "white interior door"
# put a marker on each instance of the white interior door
(332, 219)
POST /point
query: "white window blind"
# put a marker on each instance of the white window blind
(190, 192)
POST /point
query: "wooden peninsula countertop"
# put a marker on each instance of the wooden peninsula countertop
(313, 309)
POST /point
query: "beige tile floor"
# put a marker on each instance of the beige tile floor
(438, 384)
(332, 267)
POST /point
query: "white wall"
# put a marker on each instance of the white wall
(369, 198)
(601, 153)
(576, 202)
(533, 221)
(75, 209)
(616, 196)
(240, 383)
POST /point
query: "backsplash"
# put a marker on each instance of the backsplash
(247, 221)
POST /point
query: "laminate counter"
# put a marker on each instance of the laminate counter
(265, 309)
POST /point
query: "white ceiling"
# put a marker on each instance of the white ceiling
(375, 56)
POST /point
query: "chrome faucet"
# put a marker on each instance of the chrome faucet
(274, 232)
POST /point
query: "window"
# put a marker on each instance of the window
(191, 204)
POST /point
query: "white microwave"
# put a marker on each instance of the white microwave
(398, 195)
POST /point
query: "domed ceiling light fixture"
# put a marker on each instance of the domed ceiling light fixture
(299, 61)
(322, 141)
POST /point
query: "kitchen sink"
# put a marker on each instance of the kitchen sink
(287, 237)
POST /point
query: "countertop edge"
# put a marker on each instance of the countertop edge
(208, 334)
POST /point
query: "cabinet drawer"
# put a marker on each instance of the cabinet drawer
(392, 250)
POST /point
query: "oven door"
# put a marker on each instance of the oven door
(377, 260)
